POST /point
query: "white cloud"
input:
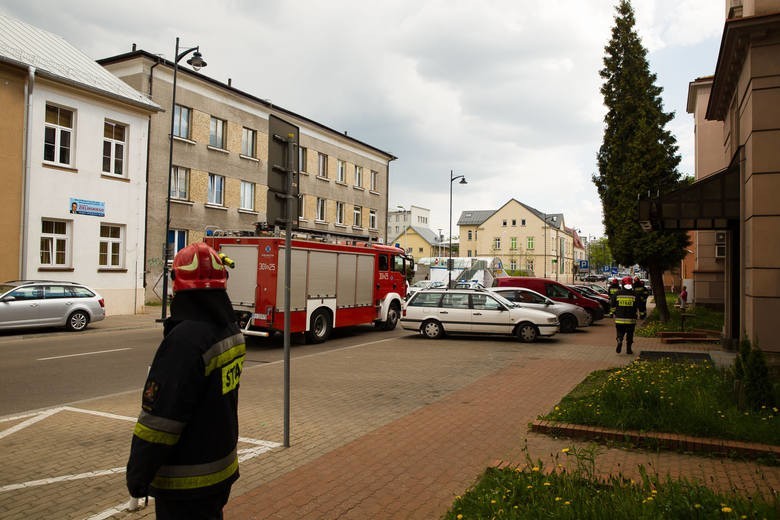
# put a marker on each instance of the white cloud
(504, 92)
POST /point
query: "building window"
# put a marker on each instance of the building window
(55, 240)
(320, 209)
(302, 159)
(374, 180)
(110, 251)
(249, 142)
(114, 148)
(514, 222)
(522, 222)
(503, 223)
(372, 219)
(513, 265)
(529, 266)
(339, 213)
(513, 243)
(248, 195)
(177, 237)
(216, 189)
(301, 213)
(497, 243)
(217, 132)
(468, 253)
(58, 135)
(469, 235)
(359, 176)
(322, 165)
(180, 183)
(529, 243)
(181, 121)
(357, 216)
(342, 171)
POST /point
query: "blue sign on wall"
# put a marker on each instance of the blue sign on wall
(614, 270)
(584, 265)
(88, 207)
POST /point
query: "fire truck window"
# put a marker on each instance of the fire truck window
(383, 263)
(398, 264)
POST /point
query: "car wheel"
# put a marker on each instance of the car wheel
(320, 327)
(77, 321)
(527, 333)
(432, 329)
(588, 319)
(568, 323)
(393, 314)
(592, 315)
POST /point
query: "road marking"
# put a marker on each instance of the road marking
(63, 478)
(84, 354)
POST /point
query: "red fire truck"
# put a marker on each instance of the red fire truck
(332, 284)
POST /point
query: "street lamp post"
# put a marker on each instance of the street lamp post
(449, 252)
(197, 63)
(403, 231)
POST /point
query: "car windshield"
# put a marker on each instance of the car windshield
(503, 300)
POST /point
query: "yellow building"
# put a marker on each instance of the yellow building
(525, 239)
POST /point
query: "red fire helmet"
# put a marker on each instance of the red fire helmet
(198, 266)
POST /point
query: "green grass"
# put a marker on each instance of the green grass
(703, 318)
(665, 396)
(535, 492)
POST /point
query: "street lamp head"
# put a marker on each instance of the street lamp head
(463, 181)
(197, 62)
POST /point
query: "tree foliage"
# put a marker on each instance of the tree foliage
(638, 156)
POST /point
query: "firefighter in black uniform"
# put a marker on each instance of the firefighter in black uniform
(641, 297)
(183, 451)
(625, 315)
(612, 289)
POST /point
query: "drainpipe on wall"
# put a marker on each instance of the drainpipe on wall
(28, 91)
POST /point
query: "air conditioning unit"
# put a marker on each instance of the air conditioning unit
(720, 250)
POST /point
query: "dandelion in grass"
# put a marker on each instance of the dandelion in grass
(558, 499)
(548, 484)
(726, 509)
(565, 450)
(535, 468)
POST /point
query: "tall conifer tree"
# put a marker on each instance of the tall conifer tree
(638, 156)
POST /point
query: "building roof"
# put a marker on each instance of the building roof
(477, 217)
(271, 107)
(24, 45)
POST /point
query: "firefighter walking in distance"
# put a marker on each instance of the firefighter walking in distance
(183, 451)
(613, 288)
(625, 315)
(641, 297)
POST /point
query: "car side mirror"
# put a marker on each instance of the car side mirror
(8, 299)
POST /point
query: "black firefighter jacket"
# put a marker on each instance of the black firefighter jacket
(184, 442)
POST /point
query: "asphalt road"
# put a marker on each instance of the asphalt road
(54, 368)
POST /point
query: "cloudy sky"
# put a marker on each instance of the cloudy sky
(505, 92)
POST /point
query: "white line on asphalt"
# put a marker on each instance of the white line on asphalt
(64, 478)
(22, 425)
(84, 354)
(350, 347)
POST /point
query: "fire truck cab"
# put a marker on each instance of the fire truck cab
(332, 284)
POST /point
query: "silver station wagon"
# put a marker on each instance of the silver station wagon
(436, 312)
(40, 303)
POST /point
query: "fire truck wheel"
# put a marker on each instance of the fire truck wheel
(393, 315)
(320, 328)
(432, 329)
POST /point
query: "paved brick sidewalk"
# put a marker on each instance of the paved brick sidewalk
(414, 466)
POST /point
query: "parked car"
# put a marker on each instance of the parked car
(555, 291)
(588, 292)
(570, 316)
(473, 284)
(41, 303)
(436, 312)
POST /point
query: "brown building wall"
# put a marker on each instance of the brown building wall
(12, 100)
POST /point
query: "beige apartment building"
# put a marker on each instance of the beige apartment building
(220, 164)
(524, 238)
(736, 197)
